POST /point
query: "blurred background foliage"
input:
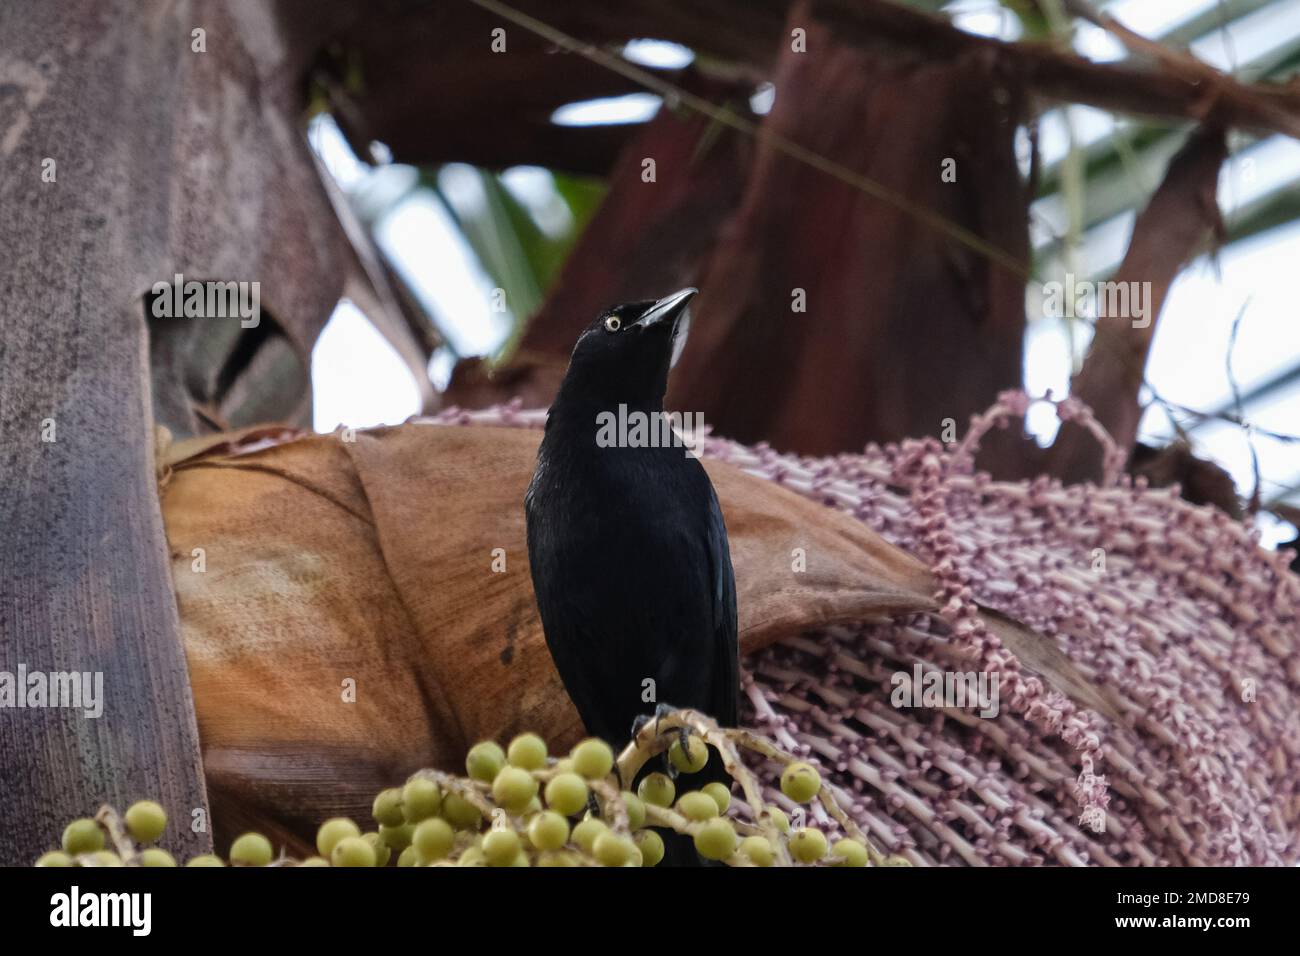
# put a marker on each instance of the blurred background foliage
(1090, 170)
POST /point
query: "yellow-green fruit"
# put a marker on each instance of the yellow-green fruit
(592, 759)
(472, 856)
(651, 845)
(315, 861)
(145, 821)
(421, 799)
(759, 850)
(332, 831)
(635, 810)
(566, 793)
(808, 845)
(521, 859)
(897, 860)
(251, 849)
(105, 858)
(82, 836)
(657, 789)
(387, 809)
(501, 846)
(397, 838)
(459, 812)
(408, 857)
(205, 859)
(528, 752)
(548, 830)
(720, 793)
(433, 840)
(693, 758)
(352, 851)
(484, 761)
(852, 853)
(800, 782)
(555, 858)
(55, 858)
(697, 806)
(383, 853)
(716, 839)
(612, 849)
(586, 832)
(779, 819)
(513, 788)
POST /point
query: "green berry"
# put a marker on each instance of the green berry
(205, 859)
(657, 789)
(897, 860)
(145, 821)
(513, 789)
(155, 856)
(557, 858)
(251, 849)
(716, 839)
(501, 846)
(592, 759)
(759, 850)
(332, 831)
(586, 832)
(397, 838)
(720, 793)
(459, 812)
(808, 845)
(852, 853)
(697, 806)
(433, 840)
(421, 799)
(635, 810)
(779, 819)
(315, 861)
(383, 853)
(548, 830)
(651, 845)
(473, 856)
(528, 752)
(82, 836)
(55, 858)
(800, 782)
(352, 851)
(484, 761)
(408, 857)
(387, 809)
(613, 849)
(566, 793)
(693, 758)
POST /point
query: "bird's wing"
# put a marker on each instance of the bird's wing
(723, 589)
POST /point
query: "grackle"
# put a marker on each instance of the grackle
(626, 541)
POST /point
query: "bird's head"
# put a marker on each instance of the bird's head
(625, 354)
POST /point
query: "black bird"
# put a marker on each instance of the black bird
(627, 545)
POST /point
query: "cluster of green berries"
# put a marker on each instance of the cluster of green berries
(519, 807)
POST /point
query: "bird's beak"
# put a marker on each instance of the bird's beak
(668, 308)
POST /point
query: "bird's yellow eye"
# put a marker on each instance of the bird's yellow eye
(613, 323)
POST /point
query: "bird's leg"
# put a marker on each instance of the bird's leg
(593, 807)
